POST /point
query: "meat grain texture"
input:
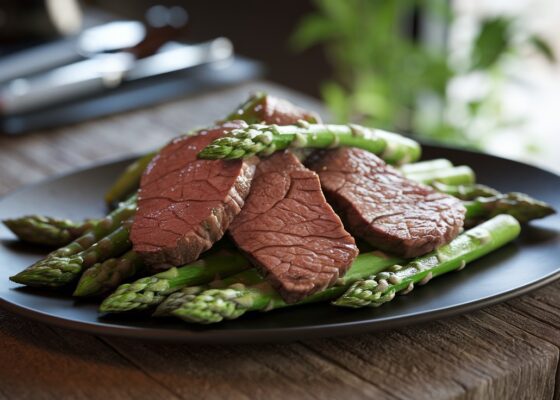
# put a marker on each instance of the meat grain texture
(281, 112)
(383, 207)
(272, 110)
(186, 204)
(290, 231)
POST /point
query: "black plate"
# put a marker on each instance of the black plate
(530, 262)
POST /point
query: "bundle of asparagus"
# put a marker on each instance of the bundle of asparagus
(96, 254)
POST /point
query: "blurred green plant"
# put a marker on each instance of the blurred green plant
(385, 77)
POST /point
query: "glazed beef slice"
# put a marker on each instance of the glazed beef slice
(272, 110)
(281, 112)
(186, 204)
(289, 230)
(383, 207)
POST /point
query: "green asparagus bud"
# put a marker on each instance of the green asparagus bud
(106, 276)
(47, 231)
(222, 303)
(521, 206)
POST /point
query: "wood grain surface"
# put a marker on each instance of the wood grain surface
(508, 351)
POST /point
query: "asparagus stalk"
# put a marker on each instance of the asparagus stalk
(150, 291)
(214, 305)
(265, 139)
(106, 276)
(48, 231)
(129, 180)
(186, 294)
(381, 287)
(60, 269)
(100, 228)
(459, 175)
(521, 206)
(465, 191)
(73, 236)
(426, 166)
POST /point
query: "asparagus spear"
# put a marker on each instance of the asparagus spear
(465, 191)
(48, 231)
(186, 294)
(107, 275)
(521, 206)
(426, 166)
(381, 287)
(214, 305)
(129, 180)
(73, 236)
(59, 269)
(151, 291)
(100, 228)
(459, 175)
(265, 139)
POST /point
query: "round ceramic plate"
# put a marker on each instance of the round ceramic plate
(532, 261)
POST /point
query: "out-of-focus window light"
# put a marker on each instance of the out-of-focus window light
(525, 93)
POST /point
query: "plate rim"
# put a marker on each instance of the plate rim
(267, 335)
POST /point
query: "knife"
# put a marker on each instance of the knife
(104, 38)
(105, 72)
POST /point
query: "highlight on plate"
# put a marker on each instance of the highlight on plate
(271, 208)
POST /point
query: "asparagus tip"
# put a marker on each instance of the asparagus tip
(210, 306)
(87, 287)
(214, 152)
(139, 295)
(41, 230)
(50, 272)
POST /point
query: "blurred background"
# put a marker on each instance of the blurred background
(479, 74)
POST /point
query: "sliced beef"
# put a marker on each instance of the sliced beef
(289, 230)
(383, 207)
(272, 110)
(186, 204)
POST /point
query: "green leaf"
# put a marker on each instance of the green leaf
(543, 47)
(492, 42)
(312, 30)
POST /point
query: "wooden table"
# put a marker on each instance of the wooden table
(509, 351)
